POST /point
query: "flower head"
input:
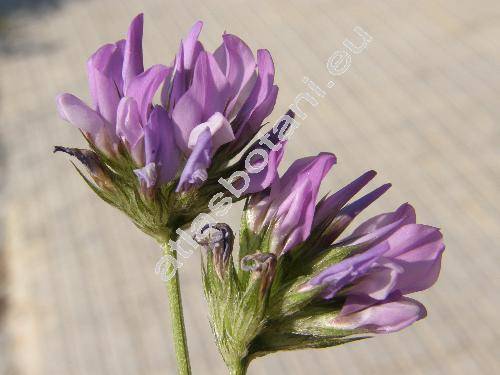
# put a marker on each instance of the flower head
(304, 284)
(212, 105)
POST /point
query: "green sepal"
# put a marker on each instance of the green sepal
(303, 264)
(273, 342)
(314, 321)
(100, 193)
(288, 300)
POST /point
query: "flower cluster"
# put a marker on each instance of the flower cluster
(314, 287)
(171, 153)
(298, 281)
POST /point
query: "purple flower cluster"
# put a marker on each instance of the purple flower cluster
(392, 255)
(212, 105)
(208, 100)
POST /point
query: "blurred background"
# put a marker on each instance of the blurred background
(78, 292)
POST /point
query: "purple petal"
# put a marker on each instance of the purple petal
(299, 189)
(261, 100)
(79, 114)
(191, 46)
(330, 207)
(143, 88)
(129, 129)
(132, 59)
(103, 70)
(291, 201)
(220, 130)
(348, 213)
(267, 173)
(195, 170)
(337, 276)
(387, 317)
(313, 168)
(380, 226)
(207, 95)
(169, 155)
(147, 175)
(128, 125)
(237, 62)
(185, 62)
(407, 261)
(355, 208)
(418, 248)
(296, 216)
(152, 137)
(262, 87)
(380, 282)
(260, 113)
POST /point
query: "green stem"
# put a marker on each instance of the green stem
(239, 368)
(177, 317)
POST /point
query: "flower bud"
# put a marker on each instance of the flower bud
(217, 239)
(263, 266)
(94, 166)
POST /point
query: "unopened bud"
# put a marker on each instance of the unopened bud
(94, 166)
(218, 239)
(263, 265)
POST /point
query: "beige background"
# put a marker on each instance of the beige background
(420, 105)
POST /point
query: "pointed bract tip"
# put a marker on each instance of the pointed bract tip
(91, 161)
(59, 149)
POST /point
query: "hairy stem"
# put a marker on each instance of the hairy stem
(239, 368)
(176, 316)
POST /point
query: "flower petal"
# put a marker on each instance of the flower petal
(195, 170)
(329, 208)
(267, 173)
(132, 59)
(191, 46)
(405, 214)
(313, 168)
(79, 114)
(237, 62)
(418, 248)
(152, 138)
(129, 129)
(347, 215)
(128, 125)
(207, 95)
(386, 317)
(105, 82)
(379, 282)
(147, 175)
(261, 100)
(144, 86)
(296, 216)
(335, 277)
(184, 64)
(220, 130)
(168, 159)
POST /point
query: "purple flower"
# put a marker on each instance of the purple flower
(122, 93)
(226, 94)
(391, 316)
(394, 257)
(385, 258)
(288, 206)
